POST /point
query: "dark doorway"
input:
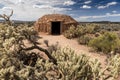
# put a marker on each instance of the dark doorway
(55, 27)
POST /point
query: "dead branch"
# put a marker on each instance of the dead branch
(7, 18)
(28, 36)
(52, 59)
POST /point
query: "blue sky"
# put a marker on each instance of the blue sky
(81, 10)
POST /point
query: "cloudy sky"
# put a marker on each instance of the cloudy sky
(81, 10)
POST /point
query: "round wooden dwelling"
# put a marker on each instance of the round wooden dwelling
(54, 23)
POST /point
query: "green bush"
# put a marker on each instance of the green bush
(70, 33)
(84, 40)
(106, 43)
(90, 28)
(78, 31)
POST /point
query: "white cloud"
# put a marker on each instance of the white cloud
(89, 17)
(51, 8)
(101, 7)
(86, 7)
(114, 11)
(33, 9)
(108, 14)
(68, 3)
(112, 3)
(87, 2)
(42, 6)
(5, 10)
(98, 16)
(107, 5)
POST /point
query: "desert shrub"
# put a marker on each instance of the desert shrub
(73, 66)
(84, 39)
(76, 67)
(81, 30)
(113, 66)
(70, 66)
(92, 28)
(118, 33)
(106, 43)
(108, 27)
(70, 33)
(78, 31)
(86, 29)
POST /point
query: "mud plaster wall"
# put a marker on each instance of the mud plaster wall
(44, 23)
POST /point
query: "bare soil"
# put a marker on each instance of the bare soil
(73, 44)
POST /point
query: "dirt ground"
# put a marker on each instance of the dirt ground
(72, 43)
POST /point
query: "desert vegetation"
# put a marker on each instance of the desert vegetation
(106, 43)
(19, 61)
(102, 37)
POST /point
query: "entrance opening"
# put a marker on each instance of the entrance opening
(55, 28)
